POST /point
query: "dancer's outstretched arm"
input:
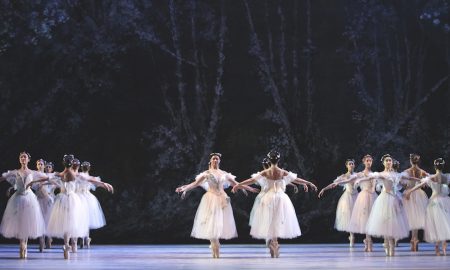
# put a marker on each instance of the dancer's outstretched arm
(305, 182)
(39, 180)
(242, 184)
(248, 188)
(409, 191)
(186, 188)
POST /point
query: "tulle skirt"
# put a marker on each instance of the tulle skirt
(94, 210)
(344, 211)
(22, 218)
(68, 216)
(257, 201)
(388, 218)
(361, 211)
(437, 221)
(46, 204)
(415, 209)
(214, 218)
(274, 217)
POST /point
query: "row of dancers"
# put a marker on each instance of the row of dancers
(389, 215)
(393, 214)
(41, 214)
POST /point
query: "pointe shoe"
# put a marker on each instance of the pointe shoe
(88, 242)
(444, 248)
(66, 249)
(74, 247)
(48, 243)
(386, 248)
(277, 250)
(370, 249)
(352, 241)
(270, 246)
(41, 244)
(416, 245)
(366, 245)
(437, 250)
(22, 252)
(392, 251)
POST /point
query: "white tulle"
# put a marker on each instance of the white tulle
(437, 221)
(93, 212)
(388, 217)
(214, 218)
(345, 207)
(274, 215)
(68, 215)
(22, 218)
(362, 208)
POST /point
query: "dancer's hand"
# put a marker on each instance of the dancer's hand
(305, 188)
(109, 188)
(407, 194)
(8, 192)
(183, 195)
(236, 188)
(313, 187)
(180, 189)
(321, 193)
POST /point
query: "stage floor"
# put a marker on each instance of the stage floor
(310, 256)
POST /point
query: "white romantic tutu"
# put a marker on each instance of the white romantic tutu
(94, 210)
(361, 211)
(22, 218)
(68, 215)
(344, 211)
(274, 215)
(46, 204)
(437, 221)
(214, 218)
(388, 218)
(415, 209)
(257, 202)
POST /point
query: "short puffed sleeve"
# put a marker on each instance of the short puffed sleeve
(260, 180)
(10, 176)
(289, 177)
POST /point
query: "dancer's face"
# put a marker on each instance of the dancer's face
(24, 159)
(387, 162)
(215, 161)
(40, 166)
(49, 168)
(350, 166)
(368, 162)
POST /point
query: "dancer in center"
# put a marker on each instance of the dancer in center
(214, 219)
(274, 216)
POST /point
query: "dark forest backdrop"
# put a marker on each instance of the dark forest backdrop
(145, 90)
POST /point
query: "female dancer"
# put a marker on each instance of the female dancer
(67, 211)
(387, 218)
(266, 165)
(22, 218)
(417, 204)
(45, 195)
(437, 214)
(214, 218)
(95, 213)
(274, 216)
(346, 202)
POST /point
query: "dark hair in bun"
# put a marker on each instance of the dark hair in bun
(414, 158)
(266, 163)
(395, 165)
(85, 166)
(349, 160)
(25, 153)
(366, 157)
(40, 160)
(67, 161)
(439, 164)
(386, 156)
(75, 162)
(215, 154)
(274, 156)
